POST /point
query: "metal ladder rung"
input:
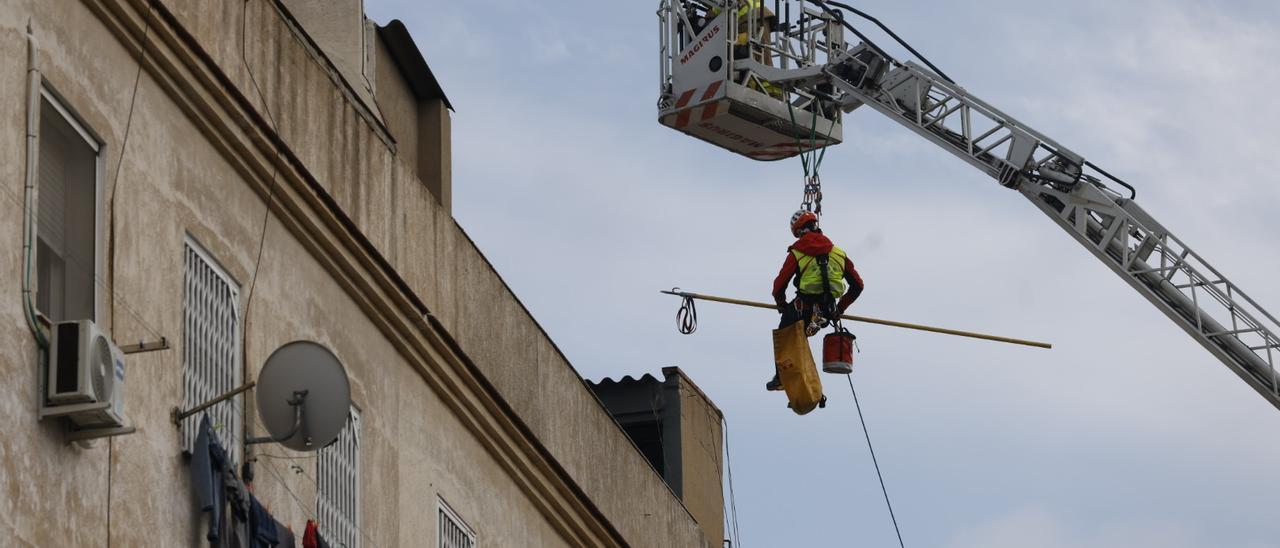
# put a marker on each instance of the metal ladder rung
(1202, 284)
(1155, 270)
(994, 145)
(989, 133)
(1233, 332)
(1182, 259)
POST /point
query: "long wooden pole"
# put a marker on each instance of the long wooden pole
(876, 321)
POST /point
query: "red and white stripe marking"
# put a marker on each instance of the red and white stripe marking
(700, 112)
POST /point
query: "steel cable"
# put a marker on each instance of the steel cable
(824, 5)
(867, 435)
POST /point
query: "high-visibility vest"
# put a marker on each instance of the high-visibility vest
(810, 278)
(746, 7)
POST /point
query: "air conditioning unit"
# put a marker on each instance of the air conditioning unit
(85, 377)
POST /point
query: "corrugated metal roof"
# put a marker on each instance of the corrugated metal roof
(412, 64)
(607, 381)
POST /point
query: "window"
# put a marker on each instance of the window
(67, 215)
(453, 532)
(338, 486)
(211, 342)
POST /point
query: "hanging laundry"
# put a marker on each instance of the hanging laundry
(285, 534)
(218, 491)
(311, 538)
(238, 504)
(262, 527)
(209, 468)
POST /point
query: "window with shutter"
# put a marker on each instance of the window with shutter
(338, 486)
(67, 215)
(451, 529)
(211, 342)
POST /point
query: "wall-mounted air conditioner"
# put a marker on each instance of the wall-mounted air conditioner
(85, 377)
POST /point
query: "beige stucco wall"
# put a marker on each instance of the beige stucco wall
(398, 105)
(701, 447)
(461, 289)
(338, 28)
(174, 181)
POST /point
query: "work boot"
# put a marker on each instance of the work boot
(774, 385)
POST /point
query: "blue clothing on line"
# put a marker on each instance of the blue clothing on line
(209, 469)
(262, 527)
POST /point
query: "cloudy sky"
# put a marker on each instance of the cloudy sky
(1126, 434)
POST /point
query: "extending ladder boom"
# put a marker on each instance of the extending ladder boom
(1071, 192)
(756, 80)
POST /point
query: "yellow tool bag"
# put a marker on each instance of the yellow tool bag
(796, 369)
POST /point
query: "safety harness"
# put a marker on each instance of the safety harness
(827, 305)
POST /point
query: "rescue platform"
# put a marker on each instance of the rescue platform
(714, 86)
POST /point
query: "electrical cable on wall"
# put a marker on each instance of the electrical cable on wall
(238, 408)
(71, 262)
(733, 501)
(111, 234)
(275, 165)
(77, 266)
(30, 198)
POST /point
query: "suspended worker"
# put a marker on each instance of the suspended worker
(805, 258)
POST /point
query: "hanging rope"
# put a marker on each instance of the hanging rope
(810, 160)
(873, 461)
(687, 316)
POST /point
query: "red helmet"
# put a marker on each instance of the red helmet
(800, 220)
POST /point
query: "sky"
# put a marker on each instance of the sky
(1126, 434)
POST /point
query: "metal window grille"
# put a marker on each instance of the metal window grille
(338, 486)
(211, 340)
(453, 532)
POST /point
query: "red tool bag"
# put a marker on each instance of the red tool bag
(837, 353)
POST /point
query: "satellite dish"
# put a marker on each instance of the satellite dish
(303, 396)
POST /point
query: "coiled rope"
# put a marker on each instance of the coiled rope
(687, 315)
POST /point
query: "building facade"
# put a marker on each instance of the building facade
(680, 431)
(216, 179)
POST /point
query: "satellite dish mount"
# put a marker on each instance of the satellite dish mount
(296, 374)
(299, 404)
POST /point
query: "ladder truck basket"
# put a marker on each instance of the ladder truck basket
(732, 75)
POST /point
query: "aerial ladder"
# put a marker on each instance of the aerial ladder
(772, 79)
